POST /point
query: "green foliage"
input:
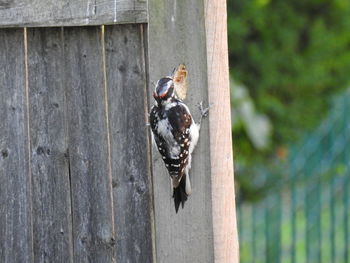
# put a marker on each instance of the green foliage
(292, 55)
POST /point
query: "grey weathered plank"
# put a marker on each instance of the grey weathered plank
(91, 182)
(15, 175)
(71, 13)
(52, 234)
(130, 149)
(177, 35)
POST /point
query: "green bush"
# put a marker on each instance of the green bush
(293, 55)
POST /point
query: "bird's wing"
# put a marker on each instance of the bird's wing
(174, 144)
(180, 120)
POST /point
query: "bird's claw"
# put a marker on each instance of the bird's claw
(204, 111)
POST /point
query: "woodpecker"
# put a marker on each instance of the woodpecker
(175, 134)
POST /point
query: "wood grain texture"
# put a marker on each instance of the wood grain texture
(132, 189)
(20, 13)
(52, 235)
(91, 184)
(75, 170)
(177, 35)
(223, 195)
(15, 176)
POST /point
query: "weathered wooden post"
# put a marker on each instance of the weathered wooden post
(223, 196)
(79, 181)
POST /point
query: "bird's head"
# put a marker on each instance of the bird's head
(164, 89)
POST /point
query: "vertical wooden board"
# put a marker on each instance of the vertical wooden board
(92, 203)
(49, 162)
(177, 35)
(223, 190)
(15, 176)
(132, 189)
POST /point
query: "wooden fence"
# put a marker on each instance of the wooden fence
(79, 180)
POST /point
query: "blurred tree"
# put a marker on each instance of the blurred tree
(292, 55)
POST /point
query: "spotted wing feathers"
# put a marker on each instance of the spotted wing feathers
(171, 129)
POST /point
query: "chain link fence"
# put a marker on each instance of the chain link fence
(304, 217)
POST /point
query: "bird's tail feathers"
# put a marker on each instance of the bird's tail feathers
(179, 194)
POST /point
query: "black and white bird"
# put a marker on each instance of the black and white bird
(176, 135)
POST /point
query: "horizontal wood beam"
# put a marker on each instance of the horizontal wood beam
(51, 13)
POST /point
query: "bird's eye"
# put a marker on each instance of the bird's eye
(163, 86)
(162, 91)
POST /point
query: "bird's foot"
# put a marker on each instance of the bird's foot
(204, 111)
